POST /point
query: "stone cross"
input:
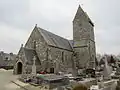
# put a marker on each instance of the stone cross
(34, 66)
(107, 70)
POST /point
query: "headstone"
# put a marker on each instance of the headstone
(118, 85)
(94, 87)
(118, 71)
(90, 73)
(34, 66)
(106, 70)
(60, 88)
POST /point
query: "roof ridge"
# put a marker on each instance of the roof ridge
(52, 33)
(55, 40)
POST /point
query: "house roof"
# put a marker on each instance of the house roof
(71, 43)
(55, 40)
(29, 54)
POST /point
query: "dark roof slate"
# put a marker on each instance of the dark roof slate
(71, 43)
(55, 40)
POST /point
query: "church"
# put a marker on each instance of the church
(54, 54)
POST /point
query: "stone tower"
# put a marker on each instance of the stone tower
(84, 42)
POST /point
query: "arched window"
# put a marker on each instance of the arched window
(6, 58)
(34, 44)
(62, 56)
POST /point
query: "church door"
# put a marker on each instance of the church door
(51, 70)
(19, 68)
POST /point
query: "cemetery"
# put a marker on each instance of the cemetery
(50, 62)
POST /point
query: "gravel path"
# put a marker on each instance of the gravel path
(5, 80)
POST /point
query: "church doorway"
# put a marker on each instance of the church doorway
(51, 70)
(19, 68)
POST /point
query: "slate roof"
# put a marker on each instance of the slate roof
(29, 54)
(81, 12)
(71, 43)
(55, 40)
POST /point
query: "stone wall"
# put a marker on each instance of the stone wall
(59, 59)
(20, 58)
(37, 42)
(82, 57)
(83, 37)
(92, 54)
(28, 69)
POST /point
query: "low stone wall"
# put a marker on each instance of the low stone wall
(19, 85)
(7, 67)
(87, 82)
(107, 85)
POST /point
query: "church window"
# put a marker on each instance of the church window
(62, 56)
(66, 58)
(34, 44)
(6, 58)
(47, 54)
(40, 62)
(80, 24)
(51, 70)
(37, 44)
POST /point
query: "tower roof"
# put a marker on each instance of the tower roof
(80, 13)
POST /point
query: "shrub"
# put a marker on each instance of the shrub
(80, 87)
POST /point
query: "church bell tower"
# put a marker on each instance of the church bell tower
(84, 42)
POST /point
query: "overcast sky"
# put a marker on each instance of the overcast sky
(18, 18)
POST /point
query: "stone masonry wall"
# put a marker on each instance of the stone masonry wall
(37, 42)
(84, 43)
(20, 58)
(59, 59)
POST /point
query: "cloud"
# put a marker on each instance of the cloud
(104, 14)
(14, 12)
(11, 38)
(20, 16)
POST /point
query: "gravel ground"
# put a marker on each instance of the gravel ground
(6, 76)
(5, 80)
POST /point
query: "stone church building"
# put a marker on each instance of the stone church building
(57, 54)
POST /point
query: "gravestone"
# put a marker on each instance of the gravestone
(118, 71)
(107, 70)
(118, 85)
(90, 73)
